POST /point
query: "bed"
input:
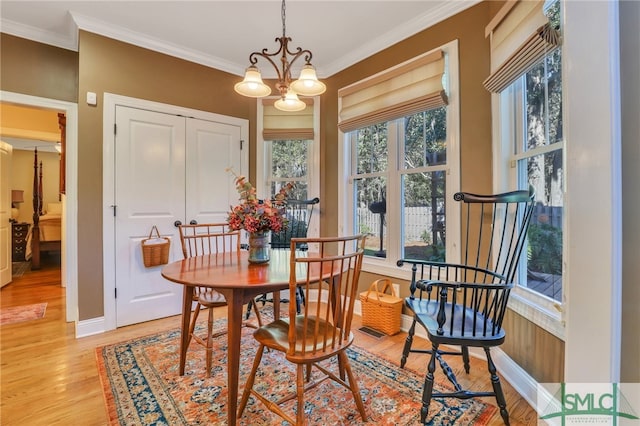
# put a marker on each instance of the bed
(45, 234)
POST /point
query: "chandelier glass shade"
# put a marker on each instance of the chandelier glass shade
(306, 85)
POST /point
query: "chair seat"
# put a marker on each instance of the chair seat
(463, 331)
(211, 298)
(276, 336)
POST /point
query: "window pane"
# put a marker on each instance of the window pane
(371, 149)
(290, 163)
(425, 138)
(370, 214)
(544, 102)
(423, 215)
(544, 253)
(289, 158)
(299, 191)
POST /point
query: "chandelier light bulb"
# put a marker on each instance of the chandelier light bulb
(290, 103)
(308, 84)
(252, 85)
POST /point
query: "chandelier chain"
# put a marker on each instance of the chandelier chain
(284, 19)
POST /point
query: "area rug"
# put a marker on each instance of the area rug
(142, 387)
(22, 313)
(19, 268)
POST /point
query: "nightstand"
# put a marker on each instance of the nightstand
(19, 241)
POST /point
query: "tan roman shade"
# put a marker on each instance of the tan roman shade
(400, 91)
(281, 125)
(520, 37)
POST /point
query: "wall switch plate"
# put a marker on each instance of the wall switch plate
(92, 98)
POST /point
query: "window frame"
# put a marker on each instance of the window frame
(313, 176)
(387, 266)
(507, 106)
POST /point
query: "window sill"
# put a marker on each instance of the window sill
(543, 313)
(383, 267)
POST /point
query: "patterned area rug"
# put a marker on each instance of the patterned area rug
(19, 268)
(142, 387)
(22, 313)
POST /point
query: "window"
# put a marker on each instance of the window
(288, 151)
(538, 158)
(531, 149)
(402, 173)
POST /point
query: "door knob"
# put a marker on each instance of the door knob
(193, 222)
(177, 223)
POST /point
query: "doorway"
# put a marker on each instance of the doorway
(69, 261)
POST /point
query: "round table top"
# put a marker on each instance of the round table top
(233, 270)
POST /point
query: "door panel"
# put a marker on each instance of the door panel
(150, 179)
(211, 149)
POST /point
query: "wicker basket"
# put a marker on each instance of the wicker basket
(155, 249)
(381, 311)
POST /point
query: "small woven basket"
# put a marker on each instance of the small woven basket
(155, 249)
(381, 311)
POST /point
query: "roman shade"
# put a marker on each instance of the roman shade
(281, 125)
(521, 36)
(406, 89)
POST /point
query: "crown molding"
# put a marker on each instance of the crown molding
(138, 39)
(42, 36)
(402, 32)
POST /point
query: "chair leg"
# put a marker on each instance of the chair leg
(258, 315)
(407, 343)
(250, 381)
(497, 388)
(353, 385)
(209, 346)
(428, 385)
(249, 306)
(192, 326)
(300, 299)
(465, 359)
(300, 377)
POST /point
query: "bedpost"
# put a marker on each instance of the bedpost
(37, 202)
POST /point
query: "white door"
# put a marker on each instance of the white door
(212, 147)
(6, 151)
(168, 169)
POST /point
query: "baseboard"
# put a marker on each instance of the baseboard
(509, 370)
(90, 327)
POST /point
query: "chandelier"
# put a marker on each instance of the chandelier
(306, 85)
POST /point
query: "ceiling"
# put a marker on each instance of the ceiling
(222, 34)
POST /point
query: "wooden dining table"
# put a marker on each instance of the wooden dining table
(240, 282)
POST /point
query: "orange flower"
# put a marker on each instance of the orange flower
(254, 215)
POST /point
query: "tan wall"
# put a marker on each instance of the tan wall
(38, 69)
(22, 178)
(111, 66)
(475, 156)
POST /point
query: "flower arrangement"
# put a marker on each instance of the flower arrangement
(254, 215)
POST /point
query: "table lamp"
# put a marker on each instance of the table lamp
(17, 197)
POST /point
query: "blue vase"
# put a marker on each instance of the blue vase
(259, 250)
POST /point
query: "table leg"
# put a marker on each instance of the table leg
(234, 328)
(276, 305)
(187, 301)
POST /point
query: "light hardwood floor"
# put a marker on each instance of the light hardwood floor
(48, 377)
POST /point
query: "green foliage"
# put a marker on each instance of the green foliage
(426, 236)
(544, 252)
